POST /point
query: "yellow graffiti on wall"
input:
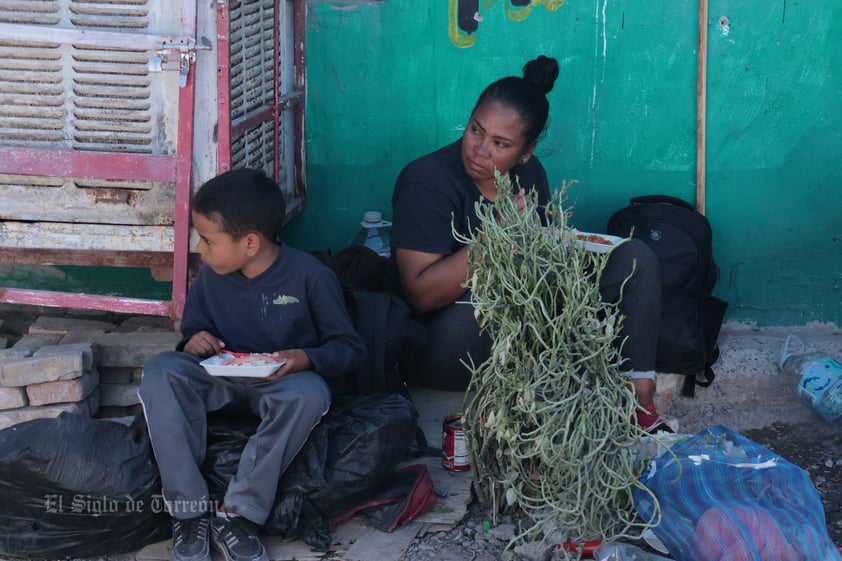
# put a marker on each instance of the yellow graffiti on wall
(464, 16)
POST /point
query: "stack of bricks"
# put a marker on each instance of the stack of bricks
(77, 364)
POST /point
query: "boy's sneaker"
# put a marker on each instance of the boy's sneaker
(190, 539)
(647, 418)
(236, 538)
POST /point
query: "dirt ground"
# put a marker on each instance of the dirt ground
(818, 450)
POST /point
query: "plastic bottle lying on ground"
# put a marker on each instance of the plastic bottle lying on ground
(820, 379)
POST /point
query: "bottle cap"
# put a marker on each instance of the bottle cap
(374, 219)
(372, 216)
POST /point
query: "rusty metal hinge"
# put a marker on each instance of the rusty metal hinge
(186, 49)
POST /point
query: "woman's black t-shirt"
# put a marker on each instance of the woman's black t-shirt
(434, 195)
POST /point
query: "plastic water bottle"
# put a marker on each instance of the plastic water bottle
(820, 379)
(374, 233)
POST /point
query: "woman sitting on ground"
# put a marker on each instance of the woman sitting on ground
(428, 267)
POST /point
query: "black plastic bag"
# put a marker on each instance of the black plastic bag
(348, 456)
(74, 486)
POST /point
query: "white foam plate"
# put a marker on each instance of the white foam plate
(214, 367)
(604, 245)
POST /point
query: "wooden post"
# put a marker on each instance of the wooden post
(701, 105)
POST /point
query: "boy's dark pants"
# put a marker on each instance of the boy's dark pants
(177, 394)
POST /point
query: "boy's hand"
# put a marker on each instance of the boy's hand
(203, 344)
(296, 360)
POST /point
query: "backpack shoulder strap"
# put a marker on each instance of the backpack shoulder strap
(714, 315)
(371, 318)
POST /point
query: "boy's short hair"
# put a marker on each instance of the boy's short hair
(246, 200)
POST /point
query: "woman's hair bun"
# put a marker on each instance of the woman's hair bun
(542, 72)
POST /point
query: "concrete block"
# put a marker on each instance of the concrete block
(133, 349)
(48, 368)
(12, 354)
(86, 336)
(89, 407)
(89, 356)
(137, 375)
(115, 374)
(17, 322)
(63, 325)
(63, 391)
(119, 394)
(12, 398)
(146, 324)
(30, 342)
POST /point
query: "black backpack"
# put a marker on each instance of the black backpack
(691, 317)
(390, 332)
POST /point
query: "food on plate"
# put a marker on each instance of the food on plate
(251, 359)
(598, 243)
(253, 365)
(593, 238)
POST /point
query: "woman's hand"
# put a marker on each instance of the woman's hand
(295, 360)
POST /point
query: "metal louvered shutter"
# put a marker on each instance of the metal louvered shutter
(97, 146)
(261, 85)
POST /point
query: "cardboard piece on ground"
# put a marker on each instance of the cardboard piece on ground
(454, 493)
(375, 545)
(433, 406)
(155, 551)
(279, 550)
(453, 487)
(348, 533)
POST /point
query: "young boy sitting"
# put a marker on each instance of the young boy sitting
(252, 294)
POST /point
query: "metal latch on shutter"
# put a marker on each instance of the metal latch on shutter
(186, 49)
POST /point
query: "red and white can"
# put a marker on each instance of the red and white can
(454, 449)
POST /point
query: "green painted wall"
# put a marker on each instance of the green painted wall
(387, 83)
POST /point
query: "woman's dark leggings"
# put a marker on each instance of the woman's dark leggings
(454, 338)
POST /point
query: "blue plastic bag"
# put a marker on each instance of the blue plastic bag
(726, 498)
